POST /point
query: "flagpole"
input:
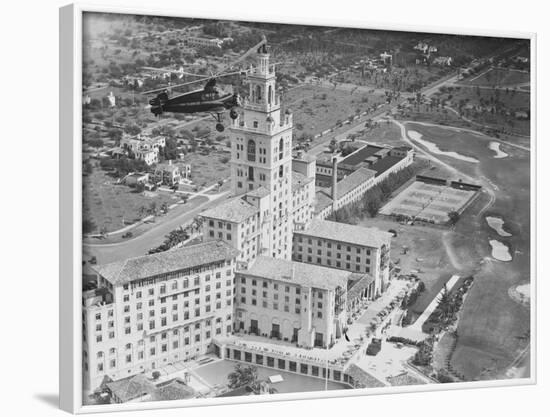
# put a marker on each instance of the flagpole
(326, 369)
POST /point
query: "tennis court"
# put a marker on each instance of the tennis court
(428, 202)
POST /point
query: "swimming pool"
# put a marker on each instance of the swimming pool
(216, 374)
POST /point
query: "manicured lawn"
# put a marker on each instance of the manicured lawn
(316, 109)
(491, 324)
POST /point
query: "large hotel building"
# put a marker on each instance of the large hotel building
(265, 267)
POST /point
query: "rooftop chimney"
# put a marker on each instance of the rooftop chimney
(334, 179)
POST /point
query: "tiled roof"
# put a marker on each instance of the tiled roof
(384, 164)
(235, 210)
(259, 192)
(361, 154)
(322, 201)
(128, 389)
(404, 378)
(298, 272)
(305, 158)
(357, 284)
(362, 378)
(353, 181)
(172, 390)
(342, 232)
(299, 180)
(135, 269)
(343, 187)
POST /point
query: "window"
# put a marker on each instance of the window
(251, 151)
(280, 148)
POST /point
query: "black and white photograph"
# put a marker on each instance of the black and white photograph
(272, 208)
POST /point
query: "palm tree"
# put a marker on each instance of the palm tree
(446, 303)
(242, 376)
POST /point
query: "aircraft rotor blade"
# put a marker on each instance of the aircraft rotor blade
(244, 56)
(176, 85)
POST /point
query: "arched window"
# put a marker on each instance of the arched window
(281, 148)
(251, 150)
(281, 171)
(258, 92)
(251, 173)
(269, 94)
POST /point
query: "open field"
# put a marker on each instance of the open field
(428, 202)
(317, 109)
(491, 324)
(408, 79)
(208, 169)
(384, 134)
(499, 77)
(113, 206)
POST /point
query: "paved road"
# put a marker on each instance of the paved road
(141, 244)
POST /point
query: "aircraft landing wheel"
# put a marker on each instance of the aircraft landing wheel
(220, 127)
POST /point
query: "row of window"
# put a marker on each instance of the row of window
(329, 245)
(329, 262)
(163, 349)
(338, 255)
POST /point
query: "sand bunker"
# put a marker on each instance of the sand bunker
(496, 224)
(521, 293)
(495, 146)
(432, 147)
(524, 290)
(500, 251)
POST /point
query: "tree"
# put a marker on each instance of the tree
(446, 304)
(243, 376)
(88, 226)
(454, 216)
